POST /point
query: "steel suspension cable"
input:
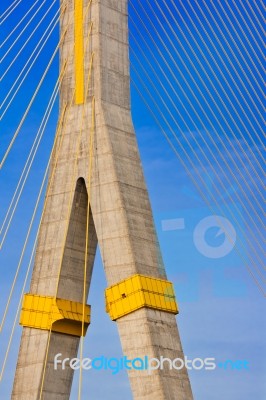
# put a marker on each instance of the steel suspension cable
(256, 227)
(236, 45)
(155, 117)
(167, 79)
(222, 61)
(188, 100)
(258, 9)
(32, 155)
(25, 44)
(31, 102)
(10, 12)
(19, 23)
(23, 30)
(211, 96)
(221, 72)
(203, 167)
(8, 8)
(202, 109)
(232, 25)
(252, 23)
(191, 146)
(199, 176)
(231, 50)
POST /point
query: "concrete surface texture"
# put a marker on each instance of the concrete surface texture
(121, 220)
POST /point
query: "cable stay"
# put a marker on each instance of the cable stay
(203, 167)
(232, 25)
(31, 157)
(195, 182)
(31, 102)
(261, 37)
(142, 37)
(19, 23)
(211, 96)
(191, 146)
(8, 8)
(236, 46)
(29, 69)
(233, 54)
(23, 30)
(258, 9)
(8, 12)
(205, 114)
(224, 77)
(26, 42)
(225, 66)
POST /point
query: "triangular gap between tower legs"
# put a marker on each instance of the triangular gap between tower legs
(72, 270)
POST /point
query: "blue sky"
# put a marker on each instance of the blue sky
(216, 119)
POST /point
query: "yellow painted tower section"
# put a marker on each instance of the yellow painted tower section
(79, 51)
